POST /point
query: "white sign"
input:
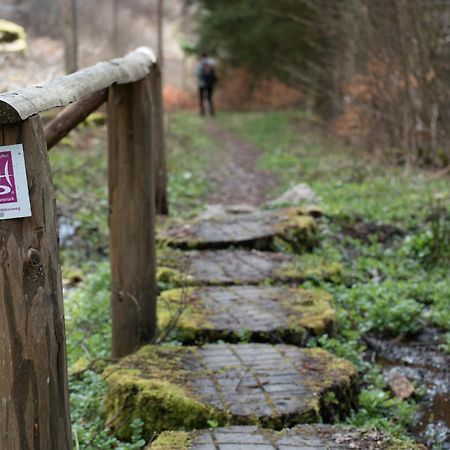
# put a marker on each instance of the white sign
(14, 196)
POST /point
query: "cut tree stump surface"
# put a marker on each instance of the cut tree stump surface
(301, 437)
(239, 267)
(257, 314)
(261, 230)
(185, 387)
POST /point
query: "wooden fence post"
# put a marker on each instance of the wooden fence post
(131, 215)
(34, 401)
(162, 204)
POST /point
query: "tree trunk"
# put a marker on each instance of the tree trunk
(160, 20)
(70, 32)
(162, 205)
(115, 29)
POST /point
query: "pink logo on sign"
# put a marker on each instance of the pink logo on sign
(8, 192)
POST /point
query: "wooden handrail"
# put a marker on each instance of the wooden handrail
(71, 116)
(31, 296)
(19, 105)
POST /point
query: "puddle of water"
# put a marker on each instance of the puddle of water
(67, 231)
(426, 366)
(433, 420)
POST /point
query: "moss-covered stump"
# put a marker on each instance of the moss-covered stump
(183, 388)
(294, 228)
(301, 437)
(246, 313)
(13, 38)
(238, 267)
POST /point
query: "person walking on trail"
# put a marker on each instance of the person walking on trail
(207, 79)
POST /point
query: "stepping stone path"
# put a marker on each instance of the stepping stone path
(240, 267)
(258, 230)
(274, 385)
(233, 291)
(301, 437)
(274, 314)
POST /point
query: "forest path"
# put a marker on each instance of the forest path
(236, 307)
(238, 178)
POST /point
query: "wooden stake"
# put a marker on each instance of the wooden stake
(34, 408)
(162, 204)
(132, 216)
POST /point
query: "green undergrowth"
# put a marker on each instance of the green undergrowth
(79, 168)
(395, 279)
(391, 287)
(349, 182)
(191, 160)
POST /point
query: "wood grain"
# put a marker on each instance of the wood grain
(34, 409)
(131, 215)
(162, 205)
(21, 104)
(71, 116)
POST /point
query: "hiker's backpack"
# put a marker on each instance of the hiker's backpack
(208, 74)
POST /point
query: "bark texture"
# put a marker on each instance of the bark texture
(34, 410)
(132, 216)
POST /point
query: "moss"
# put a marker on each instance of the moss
(308, 312)
(95, 119)
(337, 377)
(326, 271)
(297, 232)
(396, 444)
(183, 306)
(172, 440)
(151, 385)
(72, 277)
(13, 38)
(311, 309)
(172, 276)
(80, 366)
(312, 210)
(310, 267)
(294, 229)
(353, 437)
(68, 141)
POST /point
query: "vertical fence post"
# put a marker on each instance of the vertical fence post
(131, 215)
(34, 400)
(162, 204)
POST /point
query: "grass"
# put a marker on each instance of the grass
(79, 166)
(390, 288)
(192, 154)
(349, 182)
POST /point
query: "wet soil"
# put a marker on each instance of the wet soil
(236, 174)
(365, 231)
(422, 362)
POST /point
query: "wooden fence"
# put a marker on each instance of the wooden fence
(34, 403)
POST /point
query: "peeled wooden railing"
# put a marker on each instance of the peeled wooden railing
(34, 405)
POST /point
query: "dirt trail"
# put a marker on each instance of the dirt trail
(238, 179)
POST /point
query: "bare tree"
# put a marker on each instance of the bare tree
(70, 32)
(160, 20)
(115, 28)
